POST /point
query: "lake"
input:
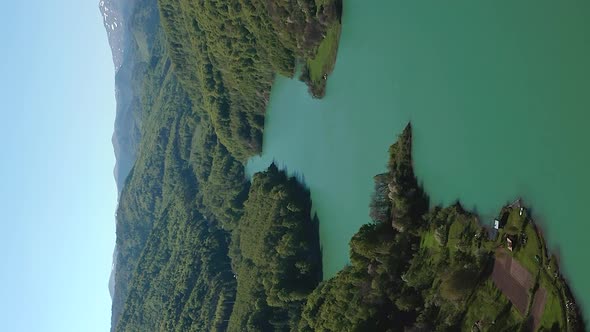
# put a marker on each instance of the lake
(498, 94)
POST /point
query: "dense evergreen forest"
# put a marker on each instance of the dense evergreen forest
(202, 248)
(275, 254)
(226, 54)
(420, 269)
(186, 194)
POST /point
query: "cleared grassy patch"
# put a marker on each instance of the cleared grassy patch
(428, 241)
(325, 58)
(530, 254)
(515, 223)
(318, 68)
(553, 314)
(462, 234)
(489, 305)
(533, 257)
(554, 307)
(454, 237)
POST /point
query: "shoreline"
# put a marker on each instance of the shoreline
(549, 262)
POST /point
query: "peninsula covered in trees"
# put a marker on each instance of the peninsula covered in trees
(202, 248)
(420, 269)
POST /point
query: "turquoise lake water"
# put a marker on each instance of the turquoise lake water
(498, 94)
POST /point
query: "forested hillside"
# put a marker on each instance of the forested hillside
(180, 200)
(172, 252)
(133, 81)
(275, 254)
(362, 297)
(137, 30)
(226, 54)
(188, 161)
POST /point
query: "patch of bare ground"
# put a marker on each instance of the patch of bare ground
(513, 280)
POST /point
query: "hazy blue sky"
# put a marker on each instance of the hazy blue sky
(57, 193)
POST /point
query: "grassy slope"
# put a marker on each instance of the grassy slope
(480, 309)
(317, 69)
(428, 241)
(325, 59)
(489, 304)
(532, 257)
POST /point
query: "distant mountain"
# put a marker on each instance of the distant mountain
(127, 133)
(116, 16)
(113, 14)
(131, 27)
(112, 277)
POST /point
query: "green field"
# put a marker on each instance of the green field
(428, 241)
(318, 68)
(325, 58)
(553, 314)
(489, 305)
(533, 257)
